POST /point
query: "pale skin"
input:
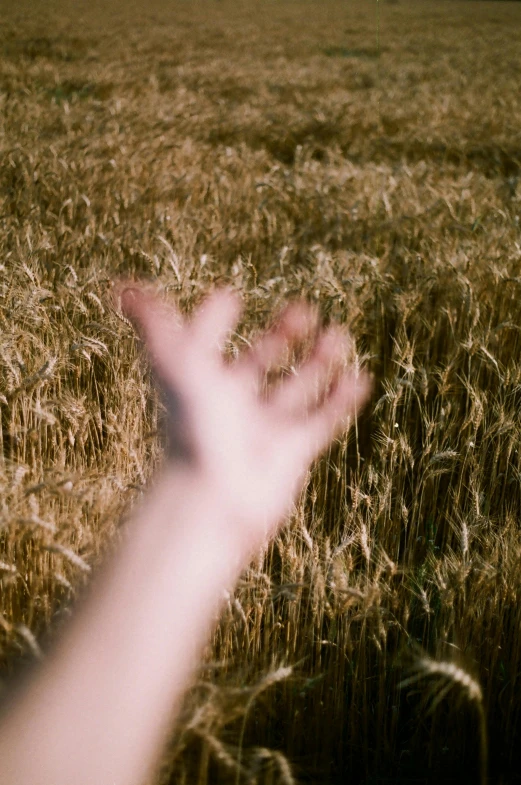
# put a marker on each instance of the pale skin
(100, 707)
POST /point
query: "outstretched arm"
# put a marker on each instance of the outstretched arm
(99, 709)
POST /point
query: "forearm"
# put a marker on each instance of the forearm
(100, 707)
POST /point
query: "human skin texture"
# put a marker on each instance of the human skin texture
(99, 708)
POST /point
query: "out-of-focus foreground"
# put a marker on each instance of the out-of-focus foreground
(366, 156)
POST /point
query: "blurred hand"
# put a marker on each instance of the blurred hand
(252, 446)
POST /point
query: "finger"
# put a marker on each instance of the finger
(300, 392)
(136, 300)
(216, 318)
(297, 323)
(156, 324)
(343, 404)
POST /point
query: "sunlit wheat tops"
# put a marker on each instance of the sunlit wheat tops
(448, 675)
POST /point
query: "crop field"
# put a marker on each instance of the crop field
(363, 155)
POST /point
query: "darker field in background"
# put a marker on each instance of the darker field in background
(366, 156)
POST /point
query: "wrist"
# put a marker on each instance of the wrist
(186, 507)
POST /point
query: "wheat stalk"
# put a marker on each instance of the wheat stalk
(449, 676)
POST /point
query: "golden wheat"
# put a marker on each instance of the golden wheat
(365, 156)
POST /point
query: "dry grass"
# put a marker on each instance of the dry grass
(367, 157)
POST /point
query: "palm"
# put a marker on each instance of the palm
(253, 445)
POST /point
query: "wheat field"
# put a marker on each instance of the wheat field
(366, 156)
